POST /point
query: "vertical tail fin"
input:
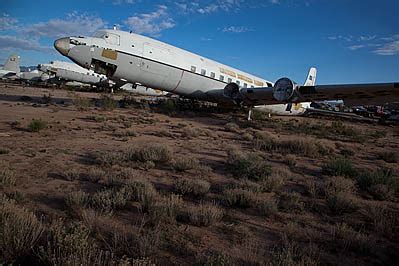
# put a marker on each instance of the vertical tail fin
(12, 64)
(311, 79)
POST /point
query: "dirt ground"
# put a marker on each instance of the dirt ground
(357, 225)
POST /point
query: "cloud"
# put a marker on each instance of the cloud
(74, 24)
(356, 47)
(151, 23)
(236, 29)
(120, 2)
(7, 22)
(12, 42)
(390, 48)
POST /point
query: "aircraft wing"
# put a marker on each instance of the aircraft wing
(351, 94)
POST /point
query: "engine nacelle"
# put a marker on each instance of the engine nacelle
(232, 91)
(285, 90)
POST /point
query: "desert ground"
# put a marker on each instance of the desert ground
(99, 179)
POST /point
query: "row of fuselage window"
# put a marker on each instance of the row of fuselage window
(222, 77)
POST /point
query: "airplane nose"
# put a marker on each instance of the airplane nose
(62, 45)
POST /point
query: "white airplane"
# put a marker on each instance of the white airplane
(128, 57)
(11, 67)
(75, 75)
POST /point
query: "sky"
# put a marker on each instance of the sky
(349, 41)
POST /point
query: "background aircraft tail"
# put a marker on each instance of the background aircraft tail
(311, 79)
(12, 64)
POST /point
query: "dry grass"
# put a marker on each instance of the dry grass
(195, 187)
(108, 200)
(190, 132)
(273, 182)
(267, 208)
(240, 198)
(204, 214)
(346, 238)
(7, 177)
(165, 209)
(339, 167)
(232, 127)
(301, 147)
(381, 184)
(77, 199)
(385, 221)
(82, 103)
(143, 192)
(19, 231)
(388, 156)
(185, 163)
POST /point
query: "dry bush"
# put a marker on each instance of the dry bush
(190, 132)
(19, 231)
(381, 184)
(71, 174)
(95, 174)
(37, 125)
(165, 209)
(388, 156)
(302, 147)
(290, 202)
(338, 184)
(273, 182)
(339, 167)
(143, 192)
(110, 158)
(240, 198)
(232, 127)
(72, 245)
(248, 136)
(291, 253)
(7, 177)
(312, 188)
(109, 200)
(195, 187)
(157, 153)
(185, 163)
(77, 199)
(204, 214)
(347, 239)
(249, 166)
(267, 208)
(340, 203)
(385, 221)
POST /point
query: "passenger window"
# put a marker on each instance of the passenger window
(269, 84)
(221, 78)
(245, 85)
(238, 82)
(229, 80)
(193, 69)
(203, 72)
(252, 86)
(213, 75)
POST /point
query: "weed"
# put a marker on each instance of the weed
(195, 187)
(83, 104)
(37, 125)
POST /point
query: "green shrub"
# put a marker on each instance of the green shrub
(195, 187)
(339, 167)
(250, 166)
(37, 125)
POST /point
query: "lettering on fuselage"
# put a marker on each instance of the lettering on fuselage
(228, 72)
(110, 54)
